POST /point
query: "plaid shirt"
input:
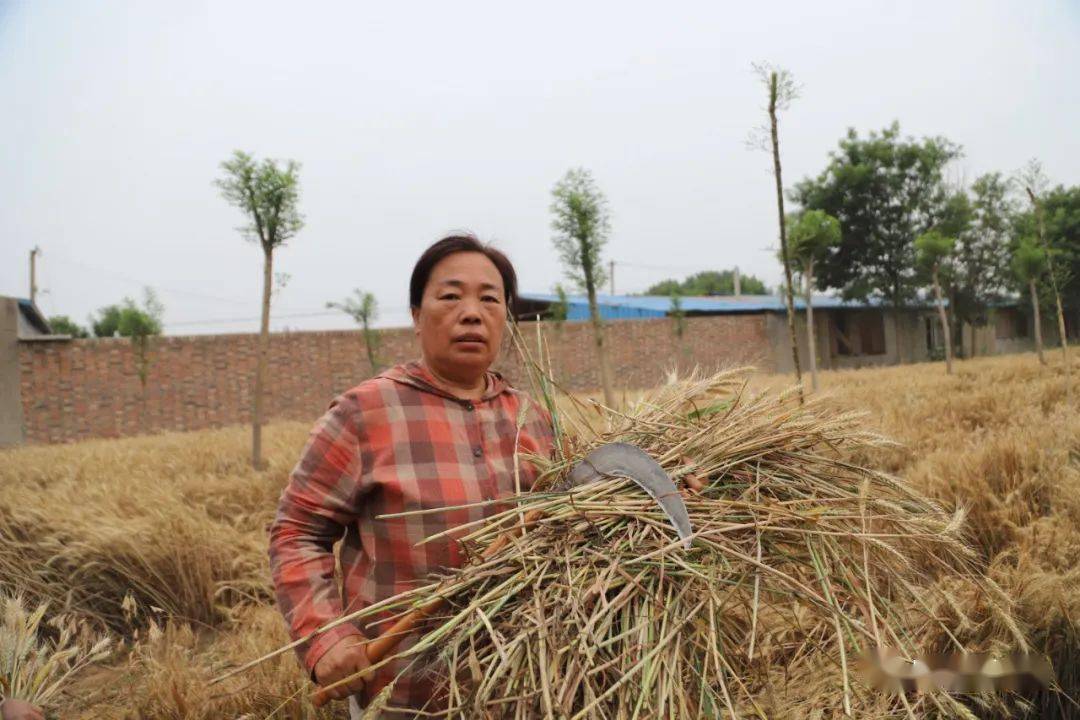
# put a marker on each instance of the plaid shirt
(391, 444)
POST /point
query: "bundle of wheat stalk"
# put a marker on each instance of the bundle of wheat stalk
(800, 562)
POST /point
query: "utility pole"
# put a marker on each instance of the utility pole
(737, 282)
(33, 274)
(611, 267)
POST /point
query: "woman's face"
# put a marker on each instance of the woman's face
(462, 316)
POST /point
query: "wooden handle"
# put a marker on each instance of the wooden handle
(386, 643)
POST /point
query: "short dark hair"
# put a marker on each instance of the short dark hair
(454, 244)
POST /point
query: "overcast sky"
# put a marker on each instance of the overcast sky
(414, 119)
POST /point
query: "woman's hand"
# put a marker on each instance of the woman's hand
(12, 709)
(346, 657)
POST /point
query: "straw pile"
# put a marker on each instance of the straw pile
(801, 562)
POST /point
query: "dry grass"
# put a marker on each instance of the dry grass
(177, 522)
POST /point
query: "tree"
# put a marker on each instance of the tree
(107, 322)
(1035, 183)
(982, 226)
(141, 324)
(710, 282)
(814, 233)
(1029, 264)
(63, 325)
(364, 310)
(933, 251)
(781, 90)
(581, 223)
(560, 309)
(268, 195)
(678, 315)
(885, 191)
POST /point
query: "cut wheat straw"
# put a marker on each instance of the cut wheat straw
(801, 561)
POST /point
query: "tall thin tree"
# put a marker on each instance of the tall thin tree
(814, 233)
(781, 90)
(364, 310)
(933, 251)
(581, 223)
(1035, 184)
(1029, 264)
(268, 194)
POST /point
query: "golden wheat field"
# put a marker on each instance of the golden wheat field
(158, 543)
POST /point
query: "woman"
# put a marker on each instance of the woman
(432, 433)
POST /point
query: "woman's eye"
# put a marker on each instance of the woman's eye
(449, 296)
(491, 298)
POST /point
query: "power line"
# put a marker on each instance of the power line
(143, 283)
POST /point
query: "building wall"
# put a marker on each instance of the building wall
(90, 388)
(11, 411)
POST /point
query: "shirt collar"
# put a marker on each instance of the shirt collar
(414, 374)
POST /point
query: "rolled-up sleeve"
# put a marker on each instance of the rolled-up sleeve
(315, 507)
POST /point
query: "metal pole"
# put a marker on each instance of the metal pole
(611, 265)
(33, 274)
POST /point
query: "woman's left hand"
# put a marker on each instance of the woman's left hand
(12, 709)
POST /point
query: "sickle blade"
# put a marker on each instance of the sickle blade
(624, 459)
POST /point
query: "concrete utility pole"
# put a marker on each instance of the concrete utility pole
(611, 266)
(738, 282)
(33, 274)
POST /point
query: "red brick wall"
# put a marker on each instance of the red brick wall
(90, 388)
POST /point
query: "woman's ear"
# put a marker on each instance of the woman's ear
(415, 319)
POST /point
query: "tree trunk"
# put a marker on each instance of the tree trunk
(598, 334)
(790, 291)
(811, 340)
(944, 323)
(369, 342)
(260, 365)
(1037, 320)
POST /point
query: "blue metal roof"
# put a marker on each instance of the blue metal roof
(645, 306)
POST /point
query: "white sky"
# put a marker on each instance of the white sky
(414, 119)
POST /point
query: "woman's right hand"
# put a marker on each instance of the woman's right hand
(344, 658)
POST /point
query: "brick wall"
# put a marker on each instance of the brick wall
(91, 388)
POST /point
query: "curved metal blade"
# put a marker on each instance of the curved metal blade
(624, 459)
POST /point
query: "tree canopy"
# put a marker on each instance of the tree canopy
(267, 194)
(813, 235)
(63, 325)
(885, 190)
(710, 282)
(581, 223)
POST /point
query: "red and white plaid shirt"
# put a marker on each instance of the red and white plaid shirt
(391, 444)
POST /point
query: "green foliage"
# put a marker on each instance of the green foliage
(983, 228)
(581, 224)
(63, 325)
(560, 309)
(364, 310)
(1061, 207)
(139, 323)
(362, 307)
(677, 314)
(933, 248)
(267, 194)
(885, 190)
(812, 235)
(710, 282)
(1028, 261)
(107, 322)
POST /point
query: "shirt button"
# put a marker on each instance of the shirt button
(477, 451)
(469, 406)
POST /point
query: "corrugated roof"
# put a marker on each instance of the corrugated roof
(659, 305)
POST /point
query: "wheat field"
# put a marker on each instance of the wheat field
(159, 542)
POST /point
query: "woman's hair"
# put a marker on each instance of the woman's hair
(455, 244)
